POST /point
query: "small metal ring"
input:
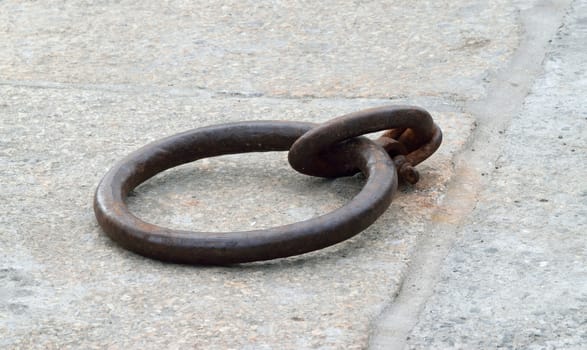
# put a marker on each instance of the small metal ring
(221, 248)
(311, 153)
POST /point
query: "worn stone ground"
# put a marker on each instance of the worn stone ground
(517, 278)
(84, 83)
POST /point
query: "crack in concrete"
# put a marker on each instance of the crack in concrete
(204, 92)
(506, 95)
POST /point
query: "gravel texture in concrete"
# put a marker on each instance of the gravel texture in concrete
(83, 83)
(66, 285)
(517, 278)
(278, 48)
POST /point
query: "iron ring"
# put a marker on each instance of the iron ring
(222, 248)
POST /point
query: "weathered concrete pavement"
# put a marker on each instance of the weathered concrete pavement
(82, 84)
(516, 277)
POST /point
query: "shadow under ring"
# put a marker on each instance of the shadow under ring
(223, 248)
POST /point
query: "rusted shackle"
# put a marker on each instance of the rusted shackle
(331, 149)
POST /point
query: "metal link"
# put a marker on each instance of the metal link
(330, 149)
(417, 138)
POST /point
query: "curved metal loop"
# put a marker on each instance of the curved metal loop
(413, 137)
(221, 248)
(405, 159)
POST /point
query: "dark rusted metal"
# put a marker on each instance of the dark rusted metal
(331, 149)
(413, 134)
(235, 247)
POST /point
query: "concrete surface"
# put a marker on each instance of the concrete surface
(517, 277)
(68, 285)
(278, 48)
(506, 97)
(84, 83)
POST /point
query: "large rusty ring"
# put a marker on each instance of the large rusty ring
(222, 248)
